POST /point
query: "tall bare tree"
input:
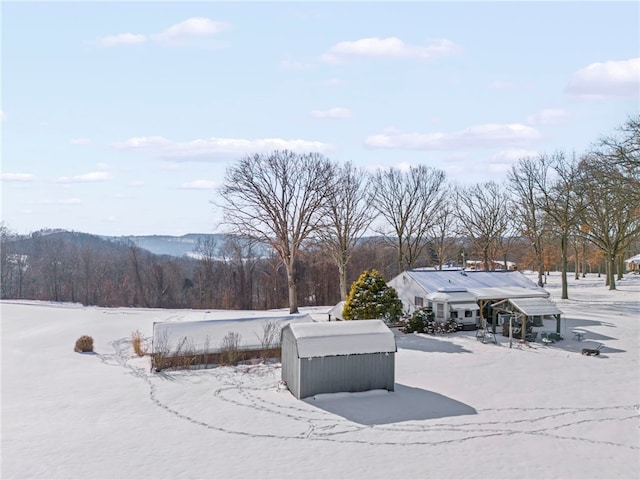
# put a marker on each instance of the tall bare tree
(409, 203)
(562, 201)
(280, 199)
(349, 215)
(524, 178)
(482, 215)
(445, 244)
(611, 181)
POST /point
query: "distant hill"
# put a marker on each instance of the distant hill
(172, 245)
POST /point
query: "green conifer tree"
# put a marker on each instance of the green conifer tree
(371, 298)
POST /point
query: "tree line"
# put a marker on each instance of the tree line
(325, 223)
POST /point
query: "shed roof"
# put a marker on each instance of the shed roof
(342, 338)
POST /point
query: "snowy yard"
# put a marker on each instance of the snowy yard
(461, 408)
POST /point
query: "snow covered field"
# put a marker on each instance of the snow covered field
(461, 409)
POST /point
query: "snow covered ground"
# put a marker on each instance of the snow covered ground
(461, 409)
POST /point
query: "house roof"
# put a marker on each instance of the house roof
(477, 282)
(342, 338)
(451, 296)
(634, 259)
(208, 334)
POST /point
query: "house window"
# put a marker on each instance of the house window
(454, 314)
(419, 301)
(440, 310)
(468, 313)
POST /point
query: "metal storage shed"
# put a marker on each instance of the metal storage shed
(329, 357)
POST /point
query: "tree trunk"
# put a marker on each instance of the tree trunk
(342, 274)
(293, 292)
(485, 258)
(620, 267)
(612, 272)
(564, 262)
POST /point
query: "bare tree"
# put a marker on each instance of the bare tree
(611, 213)
(482, 216)
(445, 244)
(409, 202)
(349, 215)
(524, 178)
(561, 200)
(279, 199)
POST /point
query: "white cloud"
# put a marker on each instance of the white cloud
(216, 149)
(391, 47)
(87, 178)
(137, 184)
(121, 39)
(337, 112)
(3, 116)
(80, 141)
(487, 136)
(17, 177)
(513, 155)
(606, 80)
(548, 116)
(177, 34)
(199, 185)
(64, 201)
(192, 27)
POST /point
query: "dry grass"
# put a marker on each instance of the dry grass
(138, 343)
(84, 344)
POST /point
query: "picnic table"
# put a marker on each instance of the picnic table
(578, 334)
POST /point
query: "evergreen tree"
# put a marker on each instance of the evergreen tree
(371, 298)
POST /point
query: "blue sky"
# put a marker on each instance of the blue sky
(120, 118)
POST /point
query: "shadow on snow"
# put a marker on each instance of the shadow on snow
(425, 343)
(379, 407)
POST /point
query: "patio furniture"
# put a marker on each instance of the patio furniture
(486, 335)
(578, 334)
(592, 352)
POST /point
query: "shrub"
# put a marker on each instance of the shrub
(370, 298)
(137, 341)
(230, 348)
(420, 320)
(84, 344)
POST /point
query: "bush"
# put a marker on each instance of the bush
(84, 344)
(230, 348)
(371, 298)
(423, 321)
(137, 341)
(420, 321)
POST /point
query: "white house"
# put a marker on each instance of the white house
(633, 263)
(493, 291)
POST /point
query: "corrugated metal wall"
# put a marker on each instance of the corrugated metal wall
(346, 373)
(290, 362)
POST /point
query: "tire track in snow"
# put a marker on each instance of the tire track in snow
(242, 386)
